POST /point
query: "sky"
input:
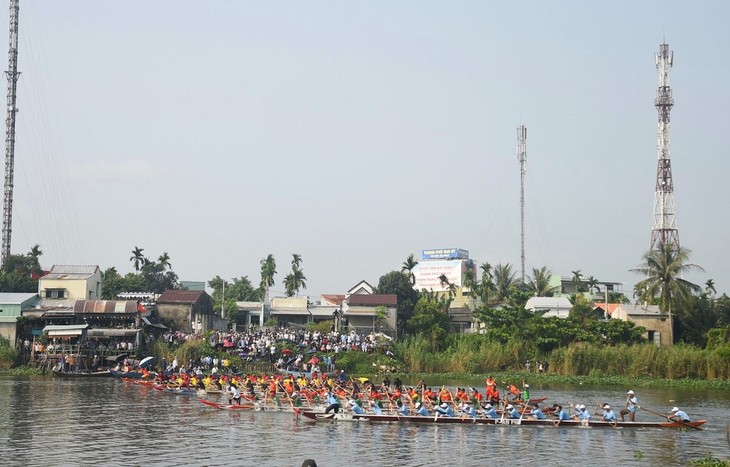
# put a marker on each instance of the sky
(357, 133)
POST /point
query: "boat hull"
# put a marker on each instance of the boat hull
(91, 374)
(369, 418)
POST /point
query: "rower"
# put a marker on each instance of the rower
(561, 414)
(678, 415)
(608, 415)
(536, 413)
(376, 408)
(334, 404)
(356, 409)
(445, 410)
(401, 408)
(421, 410)
(512, 412)
(468, 410)
(490, 412)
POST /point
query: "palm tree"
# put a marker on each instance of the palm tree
(592, 283)
(164, 261)
(268, 271)
(295, 280)
(35, 251)
(137, 258)
(470, 280)
(540, 282)
(504, 279)
(408, 266)
(710, 287)
(296, 260)
(487, 286)
(664, 268)
(578, 280)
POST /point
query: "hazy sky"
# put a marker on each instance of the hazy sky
(356, 133)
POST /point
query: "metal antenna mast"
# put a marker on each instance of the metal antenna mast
(12, 74)
(664, 226)
(522, 157)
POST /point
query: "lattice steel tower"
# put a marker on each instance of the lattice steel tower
(12, 74)
(664, 226)
(522, 157)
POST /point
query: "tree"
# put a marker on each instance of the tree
(156, 278)
(540, 283)
(268, 271)
(430, 320)
(240, 289)
(137, 258)
(111, 284)
(408, 265)
(710, 287)
(295, 280)
(578, 280)
(396, 283)
(592, 284)
(504, 279)
(487, 287)
(664, 268)
(164, 261)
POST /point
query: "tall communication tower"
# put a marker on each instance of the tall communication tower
(12, 74)
(522, 157)
(664, 229)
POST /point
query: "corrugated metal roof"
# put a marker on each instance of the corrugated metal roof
(62, 271)
(105, 306)
(11, 298)
(373, 300)
(180, 296)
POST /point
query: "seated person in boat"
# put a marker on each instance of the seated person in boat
(421, 410)
(608, 415)
(490, 412)
(583, 413)
(355, 407)
(401, 408)
(468, 410)
(512, 412)
(445, 410)
(679, 415)
(536, 413)
(561, 414)
(375, 407)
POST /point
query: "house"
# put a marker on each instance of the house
(550, 306)
(66, 282)
(658, 324)
(189, 311)
(361, 313)
(12, 306)
(299, 311)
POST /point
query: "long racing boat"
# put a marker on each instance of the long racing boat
(371, 418)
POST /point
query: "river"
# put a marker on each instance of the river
(52, 421)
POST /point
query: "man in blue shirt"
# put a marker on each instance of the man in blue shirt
(356, 409)
(678, 415)
(376, 408)
(561, 414)
(583, 414)
(608, 415)
(468, 410)
(490, 412)
(512, 412)
(401, 408)
(445, 410)
(421, 410)
(631, 404)
(536, 413)
(334, 404)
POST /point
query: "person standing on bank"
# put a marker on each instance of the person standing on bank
(632, 403)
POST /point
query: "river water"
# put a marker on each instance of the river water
(52, 421)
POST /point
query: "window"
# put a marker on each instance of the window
(55, 293)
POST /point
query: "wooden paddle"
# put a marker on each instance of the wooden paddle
(669, 418)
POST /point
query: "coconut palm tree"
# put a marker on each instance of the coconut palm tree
(268, 271)
(664, 268)
(164, 261)
(408, 266)
(592, 283)
(710, 287)
(539, 283)
(504, 279)
(137, 258)
(578, 280)
(487, 287)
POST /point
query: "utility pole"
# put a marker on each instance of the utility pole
(522, 157)
(664, 229)
(12, 74)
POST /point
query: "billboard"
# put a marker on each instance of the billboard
(427, 274)
(445, 253)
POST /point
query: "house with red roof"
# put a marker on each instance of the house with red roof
(189, 311)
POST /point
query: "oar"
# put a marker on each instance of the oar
(672, 419)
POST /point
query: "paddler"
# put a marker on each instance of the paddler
(512, 412)
(490, 412)
(330, 399)
(421, 410)
(678, 415)
(445, 410)
(608, 415)
(376, 408)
